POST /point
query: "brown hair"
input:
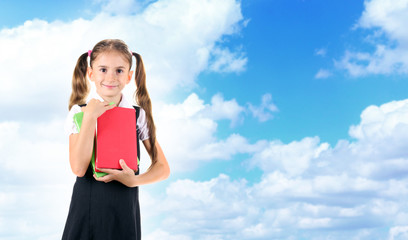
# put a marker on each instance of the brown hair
(80, 85)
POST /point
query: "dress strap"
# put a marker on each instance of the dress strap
(137, 136)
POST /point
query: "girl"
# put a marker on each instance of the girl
(108, 207)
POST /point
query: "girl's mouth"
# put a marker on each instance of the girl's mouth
(109, 86)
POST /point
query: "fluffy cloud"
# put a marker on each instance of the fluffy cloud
(323, 73)
(399, 232)
(293, 158)
(387, 20)
(264, 111)
(189, 129)
(227, 61)
(321, 52)
(306, 186)
(36, 181)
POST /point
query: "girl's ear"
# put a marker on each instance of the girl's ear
(129, 77)
(89, 71)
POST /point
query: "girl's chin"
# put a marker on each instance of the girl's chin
(107, 94)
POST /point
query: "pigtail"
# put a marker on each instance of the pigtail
(80, 85)
(143, 99)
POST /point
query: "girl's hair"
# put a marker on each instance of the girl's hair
(80, 85)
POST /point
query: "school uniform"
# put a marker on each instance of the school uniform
(101, 210)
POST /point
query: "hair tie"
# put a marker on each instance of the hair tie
(131, 54)
(88, 59)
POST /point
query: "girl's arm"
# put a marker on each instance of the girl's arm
(156, 172)
(81, 144)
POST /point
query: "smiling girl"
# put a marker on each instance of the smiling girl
(108, 207)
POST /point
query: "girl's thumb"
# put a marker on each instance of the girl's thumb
(123, 164)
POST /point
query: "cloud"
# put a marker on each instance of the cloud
(227, 61)
(382, 122)
(293, 158)
(386, 19)
(323, 73)
(308, 189)
(160, 234)
(36, 182)
(221, 109)
(189, 130)
(399, 232)
(189, 196)
(263, 112)
(321, 52)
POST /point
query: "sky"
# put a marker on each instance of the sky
(280, 119)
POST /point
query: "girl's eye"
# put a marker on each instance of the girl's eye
(103, 70)
(119, 71)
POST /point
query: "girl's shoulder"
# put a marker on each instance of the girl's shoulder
(69, 125)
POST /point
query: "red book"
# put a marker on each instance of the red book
(116, 138)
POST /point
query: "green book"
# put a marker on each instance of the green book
(78, 123)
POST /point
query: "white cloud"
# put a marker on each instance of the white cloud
(387, 19)
(188, 130)
(189, 198)
(321, 52)
(389, 120)
(36, 182)
(323, 73)
(398, 232)
(382, 134)
(293, 158)
(221, 109)
(389, 15)
(264, 111)
(227, 61)
(306, 186)
(162, 235)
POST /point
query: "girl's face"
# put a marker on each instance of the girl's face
(110, 73)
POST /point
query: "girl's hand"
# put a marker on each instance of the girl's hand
(96, 108)
(126, 176)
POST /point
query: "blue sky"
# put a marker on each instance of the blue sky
(282, 119)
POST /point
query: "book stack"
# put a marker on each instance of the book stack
(115, 139)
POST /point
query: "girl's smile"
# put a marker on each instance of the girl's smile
(110, 86)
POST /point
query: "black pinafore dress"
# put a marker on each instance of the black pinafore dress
(107, 211)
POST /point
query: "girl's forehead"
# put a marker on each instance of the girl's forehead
(112, 58)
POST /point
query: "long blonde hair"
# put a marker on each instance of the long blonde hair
(81, 88)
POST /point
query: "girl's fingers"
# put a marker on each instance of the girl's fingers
(122, 176)
(106, 178)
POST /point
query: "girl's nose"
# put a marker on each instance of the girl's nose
(112, 76)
